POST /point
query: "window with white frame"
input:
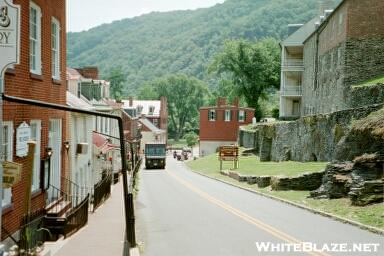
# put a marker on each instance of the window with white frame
(7, 148)
(212, 115)
(55, 37)
(35, 39)
(227, 115)
(36, 136)
(241, 116)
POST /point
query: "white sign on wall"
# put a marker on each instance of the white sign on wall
(23, 135)
(9, 34)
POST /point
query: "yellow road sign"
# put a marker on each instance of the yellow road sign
(12, 173)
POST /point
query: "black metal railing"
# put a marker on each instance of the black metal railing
(57, 201)
(32, 232)
(102, 190)
(130, 231)
(77, 217)
(135, 172)
(76, 192)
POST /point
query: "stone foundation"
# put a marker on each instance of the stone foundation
(307, 181)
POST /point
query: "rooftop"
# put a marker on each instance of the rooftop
(145, 106)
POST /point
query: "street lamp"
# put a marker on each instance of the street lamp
(49, 152)
(66, 145)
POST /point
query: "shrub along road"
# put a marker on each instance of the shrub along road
(182, 213)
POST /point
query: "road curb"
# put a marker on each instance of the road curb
(325, 214)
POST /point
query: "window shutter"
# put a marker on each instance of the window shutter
(230, 115)
(245, 115)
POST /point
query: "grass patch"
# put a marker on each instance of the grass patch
(372, 215)
(251, 165)
(374, 81)
(374, 123)
(177, 144)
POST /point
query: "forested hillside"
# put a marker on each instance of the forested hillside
(158, 44)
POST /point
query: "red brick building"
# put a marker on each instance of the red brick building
(219, 124)
(345, 49)
(41, 76)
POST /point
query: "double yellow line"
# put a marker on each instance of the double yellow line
(258, 223)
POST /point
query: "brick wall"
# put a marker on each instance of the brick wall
(334, 31)
(221, 130)
(346, 50)
(163, 113)
(366, 19)
(19, 82)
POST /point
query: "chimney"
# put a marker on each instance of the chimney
(324, 5)
(163, 103)
(130, 101)
(221, 101)
(236, 102)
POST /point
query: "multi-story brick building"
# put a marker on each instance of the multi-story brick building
(219, 124)
(344, 48)
(41, 76)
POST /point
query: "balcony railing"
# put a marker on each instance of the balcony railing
(293, 62)
(292, 91)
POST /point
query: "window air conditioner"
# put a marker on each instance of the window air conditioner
(82, 148)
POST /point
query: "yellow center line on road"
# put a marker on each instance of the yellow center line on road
(258, 223)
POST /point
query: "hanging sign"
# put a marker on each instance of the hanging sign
(23, 134)
(12, 173)
(9, 34)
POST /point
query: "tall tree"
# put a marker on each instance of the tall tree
(185, 96)
(117, 78)
(252, 67)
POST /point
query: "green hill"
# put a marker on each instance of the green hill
(157, 44)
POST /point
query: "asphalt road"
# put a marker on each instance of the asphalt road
(180, 213)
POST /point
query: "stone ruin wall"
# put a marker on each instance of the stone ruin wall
(311, 138)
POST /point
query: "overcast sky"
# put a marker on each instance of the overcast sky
(85, 14)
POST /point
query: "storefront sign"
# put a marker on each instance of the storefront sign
(12, 174)
(228, 153)
(23, 134)
(9, 34)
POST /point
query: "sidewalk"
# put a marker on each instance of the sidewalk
(104, 233)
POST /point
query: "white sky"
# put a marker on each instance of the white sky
(86, 14)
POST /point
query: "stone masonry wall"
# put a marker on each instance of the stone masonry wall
(364, 59)
(311, 138)
(248, 139)
(366, 95)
